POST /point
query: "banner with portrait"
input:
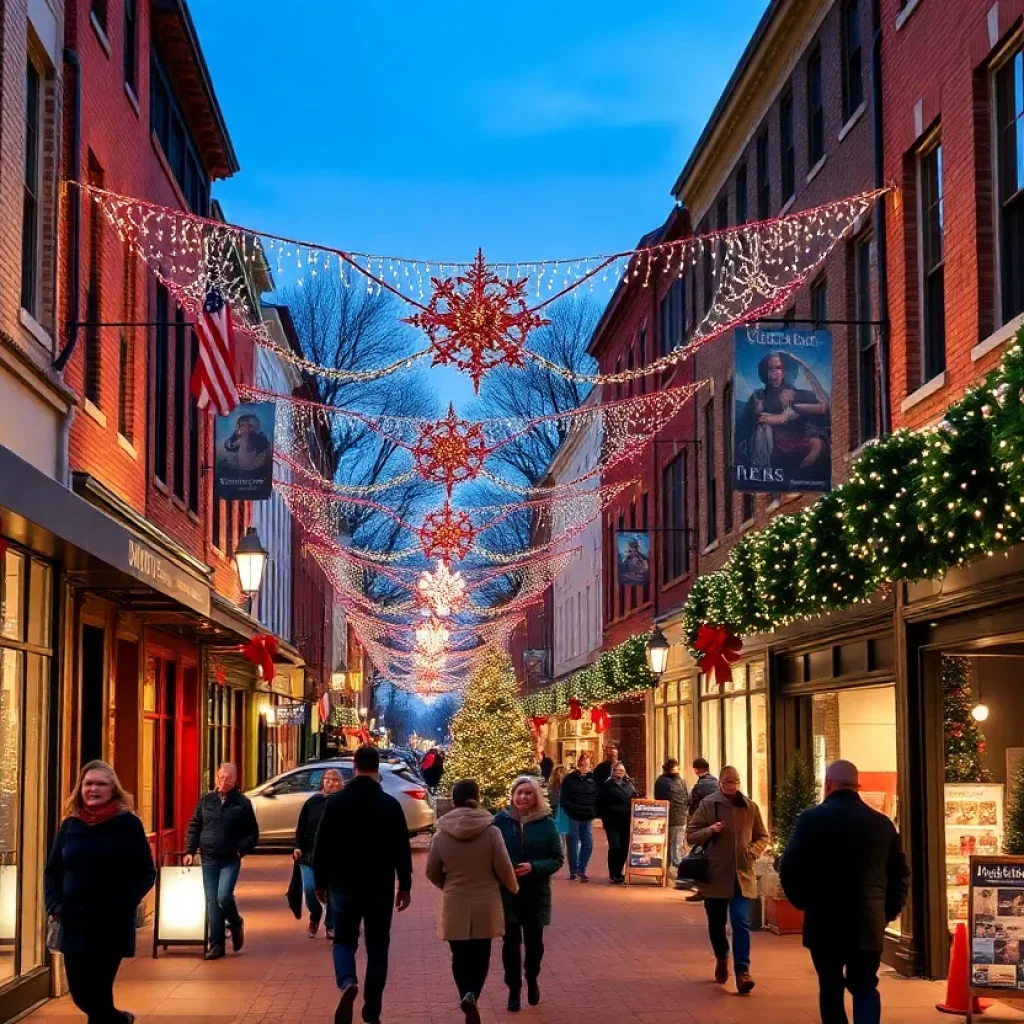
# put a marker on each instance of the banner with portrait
(243, 453)
(782, 409)
(633, 554)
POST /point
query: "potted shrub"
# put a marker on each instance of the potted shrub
(796, 793)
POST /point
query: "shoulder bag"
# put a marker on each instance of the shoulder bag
(694, 866)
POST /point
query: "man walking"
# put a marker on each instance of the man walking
(845, 869)
(671, 786)
(604, 770)
(547, 766)
(361, 846)
(223, 829)
(705, 785)
(578, 798)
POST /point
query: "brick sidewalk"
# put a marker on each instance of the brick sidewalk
(614, 956)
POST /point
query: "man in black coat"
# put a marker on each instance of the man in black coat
(361, 846)
(547, 766)
(577, 798)
(844, 868)
(223, 829)
(671, 786)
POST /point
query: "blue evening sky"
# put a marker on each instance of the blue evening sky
(534, 130)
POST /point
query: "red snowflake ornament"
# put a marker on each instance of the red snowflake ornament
(450, 451)
(477, 321)
(447, 534)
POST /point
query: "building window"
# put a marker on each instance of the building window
(787, 151)
(710, 482)
(741, 195)
(932, 262)
(721, 224)
(126, 352)
(867, 342)
(30, 202)
(819, 301)
(93, 292)
(622, 589)
(853, 83)
(181, 398)
(98, 9)
(764, 178)
(815, 109)
(642, 356)
(193, 432)
(161, 397)
(131, 45)
(747, 506)
(1009, 86)
(707, 271)
(727, 416)
(675, 548)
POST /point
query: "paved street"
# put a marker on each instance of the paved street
(614, 955)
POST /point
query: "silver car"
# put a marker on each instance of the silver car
(278, 801)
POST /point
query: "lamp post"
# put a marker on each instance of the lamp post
(657, 652)
(250, 561)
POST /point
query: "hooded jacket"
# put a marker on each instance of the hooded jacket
(614, 802)
(469, 864)
(578, 794)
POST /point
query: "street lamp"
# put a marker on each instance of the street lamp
(250, 561)
(657, 652)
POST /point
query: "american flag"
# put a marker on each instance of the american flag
(213, 380)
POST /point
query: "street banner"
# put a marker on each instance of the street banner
(243, 456)
(782, 410)
(648, 840)
(996, 925)
(633, 553)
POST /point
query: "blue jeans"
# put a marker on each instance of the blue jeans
(675, 844)
(856, 971)
(373, 910)
(312, 903)
(581, 845)
(219, 878)
(738, 911)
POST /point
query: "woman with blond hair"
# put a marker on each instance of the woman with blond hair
(305, 836)
(98, 872)
(533, 843)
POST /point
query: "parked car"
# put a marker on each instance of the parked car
(278, 801)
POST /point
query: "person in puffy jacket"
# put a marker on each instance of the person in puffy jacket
(223, 829)
(468, 862)
(670, 786)
(577, 797)
(305, 836)
(613, 805)
(533, 843)
(97, 874)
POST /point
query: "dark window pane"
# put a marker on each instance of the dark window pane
(932, 263)
(193, 434)
(93, 296)
(867, 368)
(815, 109)
(181, 398)
(787, 151)
(161, 398)
(853, 83)
(1010, 141)
(741, 195)
(764, 179)
(30, 202)
(727, 416)
(819, 301)
(131, 44)
(710, 490)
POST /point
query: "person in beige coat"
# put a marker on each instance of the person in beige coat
(468, 862)
(727, 825)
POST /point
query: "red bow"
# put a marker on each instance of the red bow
(362, 734)
(260, 650)
(719, 647)
(575, 711)
(601, 719)
(537, 721)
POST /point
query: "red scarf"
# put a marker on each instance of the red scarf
(94, 816)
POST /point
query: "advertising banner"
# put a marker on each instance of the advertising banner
(996, 926)
(633, 552)
(243, 453)
(648, 839)
(783, 410)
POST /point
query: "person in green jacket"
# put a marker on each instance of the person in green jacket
(535, 848)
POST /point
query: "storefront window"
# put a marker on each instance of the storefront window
(673, 724)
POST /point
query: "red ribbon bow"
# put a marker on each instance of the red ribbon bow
(537, 722)
(719, 647)
(260, 650)
(362, 734)
(601, 719)
(575, 711)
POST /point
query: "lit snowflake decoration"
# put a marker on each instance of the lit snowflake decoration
(477, 321)
(432, 639)
(450, 451)
(447, 535)
(441, 592)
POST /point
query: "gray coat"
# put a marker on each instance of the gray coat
(673, 789)
(732, 852)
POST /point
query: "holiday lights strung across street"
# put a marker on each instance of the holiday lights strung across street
(756, 269)
(441, 592)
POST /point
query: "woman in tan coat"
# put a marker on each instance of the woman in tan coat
(468, 862)
(728, 826)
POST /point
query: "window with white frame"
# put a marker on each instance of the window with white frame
(1009, 113)
(932, 260)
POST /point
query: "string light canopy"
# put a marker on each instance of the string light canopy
(441, 592)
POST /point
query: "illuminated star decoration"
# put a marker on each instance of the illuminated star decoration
(432, 639)
(477, 321)
(450, 451)
(441, 592)
(447, 534)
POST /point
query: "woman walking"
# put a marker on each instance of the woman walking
(98, 871)
(469, 864)
(305, 835)
(535, 847)
(576, 797)
(613, 807)
(728, 826)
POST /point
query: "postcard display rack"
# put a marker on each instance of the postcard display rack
(974, 827)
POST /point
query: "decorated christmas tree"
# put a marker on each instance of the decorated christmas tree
(491, 739)
(795, 794)
(1013, 841)
(964, 741)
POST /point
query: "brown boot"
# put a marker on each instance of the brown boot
(744, 982)
(722, 970)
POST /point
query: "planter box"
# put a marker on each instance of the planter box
(781, 917)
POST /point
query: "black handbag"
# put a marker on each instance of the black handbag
(694, 866)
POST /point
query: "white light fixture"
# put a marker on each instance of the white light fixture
(338, 681)
(363, 712)
(979, 712)
(657, 652)
(250, 561)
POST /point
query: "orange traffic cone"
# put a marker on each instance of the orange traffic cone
(956, 985)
